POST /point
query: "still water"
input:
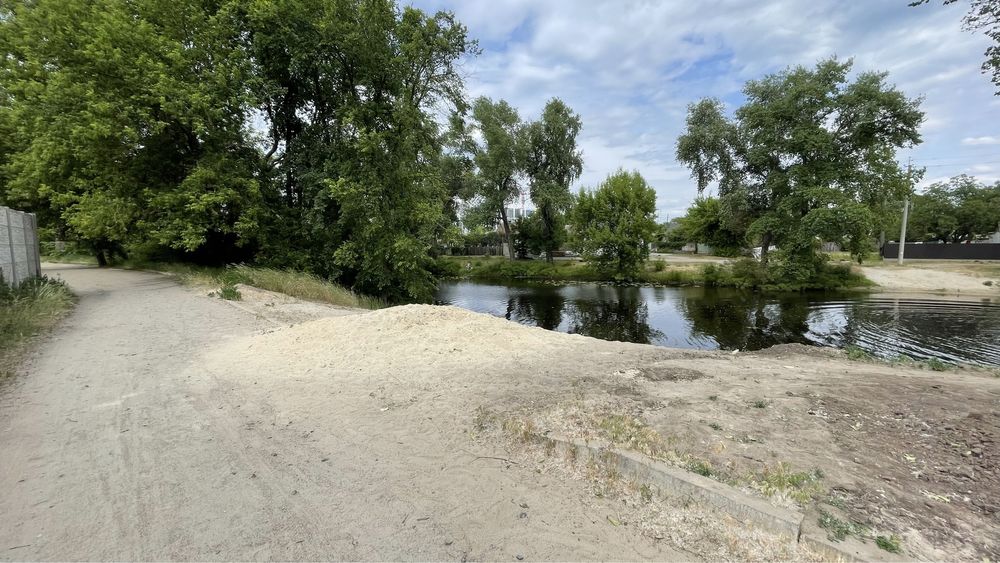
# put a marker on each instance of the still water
(952, 330)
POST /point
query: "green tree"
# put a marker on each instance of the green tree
(492, 141)
(552, 163)
(805, 158)
(349, 88)
(959, 210)
(614, 225)
(127, 121)
(705, 222)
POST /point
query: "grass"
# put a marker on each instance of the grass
(739, 274)
(301, 285)
(889, 543)
(801, 486)
(859, 354)
(838, 530)
(25, 311)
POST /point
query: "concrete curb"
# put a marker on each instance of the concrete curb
(784, 522)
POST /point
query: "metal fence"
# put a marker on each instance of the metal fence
(984, 251)
(19, 257)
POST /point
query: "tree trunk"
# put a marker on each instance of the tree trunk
(765, 243)
(881, 244)
(506, 233)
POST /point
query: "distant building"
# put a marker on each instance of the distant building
(515, 213)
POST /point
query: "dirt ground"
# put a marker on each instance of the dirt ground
(962, 277)
(160, 423)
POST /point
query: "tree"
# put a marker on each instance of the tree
(493, 143)
(552, 163)
(614, 225)
(354, 155)
(705, 222)
(128, 121)
(704, 144)
(983, 15)
(959, 210)
(806, 157)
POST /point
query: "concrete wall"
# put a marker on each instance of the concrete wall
(19, 257)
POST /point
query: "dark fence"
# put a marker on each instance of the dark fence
(982, 251)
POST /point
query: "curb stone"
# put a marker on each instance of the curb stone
(783, 522)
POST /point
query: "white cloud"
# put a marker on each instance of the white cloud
(981, 141)
(631, 67)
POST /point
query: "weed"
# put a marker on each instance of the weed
(857, 353)
(838, 530)
(659, 266)
(715, 426)
(699, 466)
(800, 486)
(890, 543)
(646, 493)
(760, 404)
(633, 434)
(713, 397)
(988, 283)
(229, 292)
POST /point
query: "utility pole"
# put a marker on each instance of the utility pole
(906, 216)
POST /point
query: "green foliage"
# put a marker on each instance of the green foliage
(706, 223)
(959, 210)
(491, 143)
(983, 15)
(838, 530)
(129, 129)
(614, 225)
(809, 156)
(229, 292)
(552, 162)
(891, 543)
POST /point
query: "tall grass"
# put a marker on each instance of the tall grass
(301, 285)
(27, 310)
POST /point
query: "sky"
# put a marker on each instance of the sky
(630, 68)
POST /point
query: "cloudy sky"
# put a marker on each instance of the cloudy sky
(630, 69)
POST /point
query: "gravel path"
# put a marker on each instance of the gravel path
(119, 443)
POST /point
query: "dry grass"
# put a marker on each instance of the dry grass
(27, 311)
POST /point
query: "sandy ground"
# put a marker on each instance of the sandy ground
(159, 423)
(149, 427)
(933, 276)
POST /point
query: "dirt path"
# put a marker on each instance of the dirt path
(119, 441)
(933, 276)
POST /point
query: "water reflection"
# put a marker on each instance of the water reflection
(952, 330)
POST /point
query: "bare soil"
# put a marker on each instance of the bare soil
(955, 277)
(159, 423)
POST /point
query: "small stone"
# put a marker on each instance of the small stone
(523, 515)
(519, 557)
(449, 542)
(978, 452)
(524, 505)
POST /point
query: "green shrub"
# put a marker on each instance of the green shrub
(229, 292)
(889, 543)
(26, 309)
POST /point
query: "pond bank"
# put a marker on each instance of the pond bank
(661, 271)
(866, 450)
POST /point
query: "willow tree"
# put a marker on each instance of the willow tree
(806, 157)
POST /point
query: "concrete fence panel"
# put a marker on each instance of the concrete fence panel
(19, 253)
(984, 251)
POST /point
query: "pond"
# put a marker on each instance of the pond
(951, 330)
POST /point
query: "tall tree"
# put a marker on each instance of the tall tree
(703, 146)
(808, 154)
(492, 139)
(348, 89)
(128, 121)
(553, 162)
(614, 226)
